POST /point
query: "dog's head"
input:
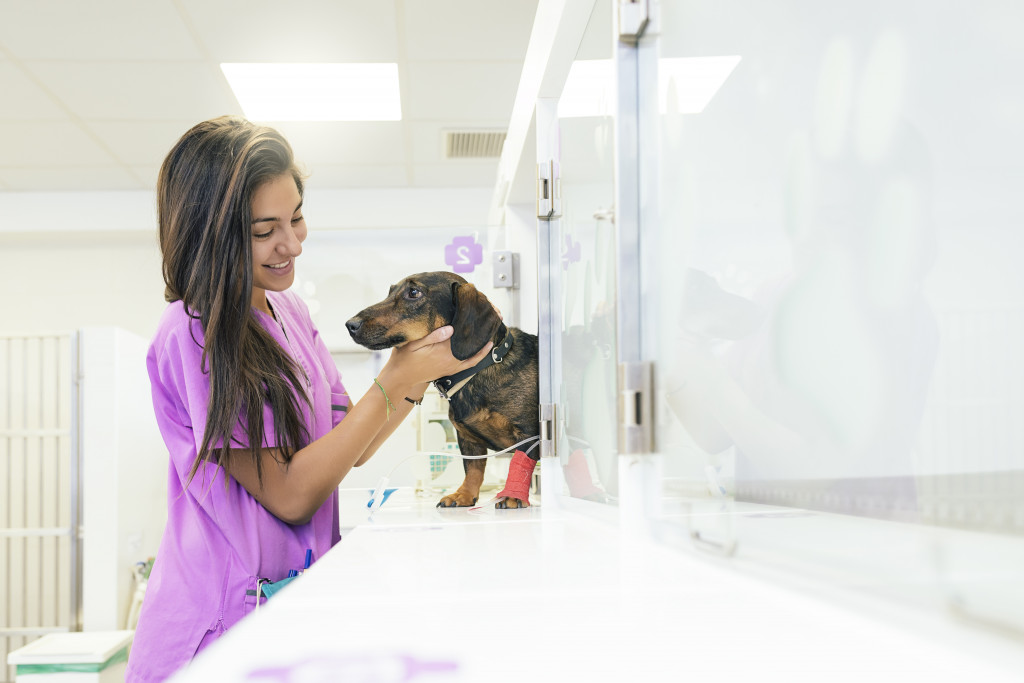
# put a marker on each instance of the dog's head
(420, 304)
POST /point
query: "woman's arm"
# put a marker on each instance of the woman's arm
(402, 409)
(293, 492)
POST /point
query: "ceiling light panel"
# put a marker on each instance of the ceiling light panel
(316, 92)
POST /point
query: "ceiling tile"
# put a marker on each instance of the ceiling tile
(303, 31)
(95, 30)
(147, 174)
(428, 141)
(23, 100)
(329, 176)
(462, 173)
(468, 30)
(145, 91)
(454, 90)
(96, 93)
(597, 41)
(62, 144)
(136, 143)
(345, 142)
(69, 179)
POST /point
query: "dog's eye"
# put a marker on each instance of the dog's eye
(413, 293)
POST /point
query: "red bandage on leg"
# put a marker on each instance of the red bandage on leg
(520, 472)
(577, 476)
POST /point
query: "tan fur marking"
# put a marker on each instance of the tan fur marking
(492, 425)
(467, 494)
(410, 329)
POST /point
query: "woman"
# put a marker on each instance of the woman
(247, 397)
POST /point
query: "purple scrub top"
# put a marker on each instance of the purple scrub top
(219, 540)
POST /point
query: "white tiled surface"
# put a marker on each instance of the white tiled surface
(430, 594)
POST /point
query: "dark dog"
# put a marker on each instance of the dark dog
(498, 406)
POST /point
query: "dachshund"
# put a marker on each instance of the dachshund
(494, 408)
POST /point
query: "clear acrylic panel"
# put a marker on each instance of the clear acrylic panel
(586, 264)
(842, 306)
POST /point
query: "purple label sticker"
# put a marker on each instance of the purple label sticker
(464, 254)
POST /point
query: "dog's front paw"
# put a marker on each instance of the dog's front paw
(510, 503)
(459, 499)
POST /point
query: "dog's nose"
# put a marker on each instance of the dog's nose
(353, 325)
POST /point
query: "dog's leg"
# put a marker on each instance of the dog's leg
(516, 493)
(467, 494)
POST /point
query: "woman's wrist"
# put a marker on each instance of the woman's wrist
(415, 395)
(393, 385)
(389, 404)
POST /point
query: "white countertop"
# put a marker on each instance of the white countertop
(428, 594)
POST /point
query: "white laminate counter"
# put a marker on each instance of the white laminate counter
(428, 594)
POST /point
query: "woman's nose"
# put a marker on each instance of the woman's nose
(291, 245)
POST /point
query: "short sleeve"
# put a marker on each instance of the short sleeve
(181, 391)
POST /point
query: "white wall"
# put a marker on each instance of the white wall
(519, 235)
(62, 282)
(92, 259)
(124, 472)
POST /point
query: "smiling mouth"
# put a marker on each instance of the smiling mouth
(279, 266)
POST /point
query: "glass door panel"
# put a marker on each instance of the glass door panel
(841, 306)
(586, 264)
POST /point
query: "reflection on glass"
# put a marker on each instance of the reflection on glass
(840, 236)
(587, 410)
(836, 252)
(589, 359)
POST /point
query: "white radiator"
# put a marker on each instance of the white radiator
(40, 501)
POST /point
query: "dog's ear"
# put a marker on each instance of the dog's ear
(475, 320)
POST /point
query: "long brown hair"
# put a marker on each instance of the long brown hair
(204, 198)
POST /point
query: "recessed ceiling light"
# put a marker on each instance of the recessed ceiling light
(316, 92)
(685, 85)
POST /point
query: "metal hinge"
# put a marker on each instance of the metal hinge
(547, 430)
(636, 408)
(505, 267)
(633, 18)
(549, 191)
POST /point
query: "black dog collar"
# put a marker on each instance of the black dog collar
(447, 386)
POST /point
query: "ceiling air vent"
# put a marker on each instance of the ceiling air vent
(473, 144)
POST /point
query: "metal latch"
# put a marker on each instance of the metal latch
(633, 18)
(549, 191)
(547, 430)
(636, 408)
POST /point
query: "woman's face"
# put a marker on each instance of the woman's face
(278, 230)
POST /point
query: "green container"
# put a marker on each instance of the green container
(77, 657)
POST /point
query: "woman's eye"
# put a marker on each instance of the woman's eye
(413, 293)
(297, 219)
(262, 235)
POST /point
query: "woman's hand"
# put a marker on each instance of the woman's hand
(424, 360)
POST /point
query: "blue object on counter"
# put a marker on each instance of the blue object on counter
(384, 498)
